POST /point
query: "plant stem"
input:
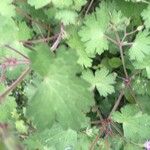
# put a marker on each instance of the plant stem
(120, 45)
(116, 103)
(41, 40)
(127, 44)
(128, 33)
(112, 40)
(116, 128)
(89, 7)
(123, 61)
(13, 49)
(14, 84)
(94, 143)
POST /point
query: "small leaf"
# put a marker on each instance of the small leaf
(66, 16)
(39, 3)
(25, 32)
(140, 47)
(75, 43)
(115, 62)
(102, 80)
(62, 3)
(92, 33)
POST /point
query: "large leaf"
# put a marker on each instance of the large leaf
(54, 139)
(57, 138)
(62, 96)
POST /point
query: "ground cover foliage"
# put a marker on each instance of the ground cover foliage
(74, 74)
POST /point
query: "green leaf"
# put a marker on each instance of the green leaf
(115, 62)
(65, 95)
(10, 29)
(53, 139)
(144, 102)
(39, 3)
(128, 95)
(131, 10)
(102, 80)
(66, 16)
(115, 143)
(77, 4)
(129, 146)
(75, 43)
(42, 58)
(141, 86)
(135, 124)
(20, 126)
(118, 19)
(93, 31)
(12, 73)
(62, 3)
(57, 138)
(140, 47)
(6, 8)
(144, 65)
(25, 32)
(145, 15)
(6, 108)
